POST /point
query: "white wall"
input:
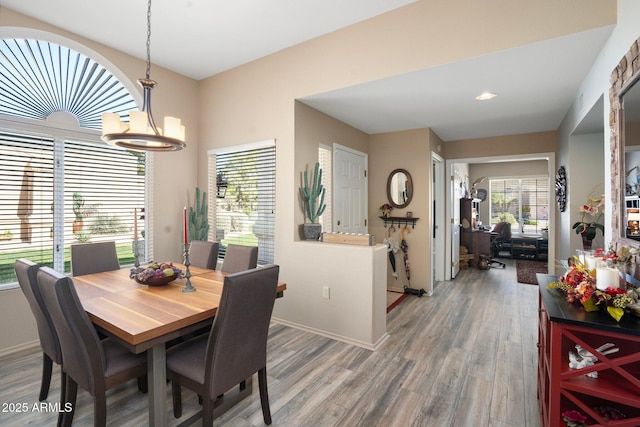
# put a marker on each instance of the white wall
(585, 179)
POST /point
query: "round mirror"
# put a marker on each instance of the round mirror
(399, 188)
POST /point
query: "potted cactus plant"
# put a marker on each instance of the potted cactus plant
(198, 218)
(312, 193)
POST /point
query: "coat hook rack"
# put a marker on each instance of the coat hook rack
(399, 221)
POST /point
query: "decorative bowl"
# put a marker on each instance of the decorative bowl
(154, 273)
(157, 281)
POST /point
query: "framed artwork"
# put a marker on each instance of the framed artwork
(561, 188)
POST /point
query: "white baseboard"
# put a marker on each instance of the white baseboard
(365, 345)
(19, 347)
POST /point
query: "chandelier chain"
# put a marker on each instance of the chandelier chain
(148, 39)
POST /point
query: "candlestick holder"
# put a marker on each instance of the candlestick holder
(188, 287)
(138, 251)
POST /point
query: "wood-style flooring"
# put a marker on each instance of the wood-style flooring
(465, 356)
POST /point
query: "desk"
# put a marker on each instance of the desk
(145, 317)
(529, 247)
(478, 242)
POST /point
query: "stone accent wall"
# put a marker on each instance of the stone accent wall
(623, 76)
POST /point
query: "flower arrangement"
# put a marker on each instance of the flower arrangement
(592, 212)
(386, 210)
(574, 418)
(579, 283)
(621, 258)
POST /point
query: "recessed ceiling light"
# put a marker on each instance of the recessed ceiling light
(486, 96)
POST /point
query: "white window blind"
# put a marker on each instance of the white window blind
(246, 216)
(325, 157)
(26, 194)
(38, 225)
(111, 182)
(523, 202)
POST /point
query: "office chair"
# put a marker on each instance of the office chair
(501, 233)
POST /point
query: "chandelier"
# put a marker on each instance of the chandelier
(141, 133)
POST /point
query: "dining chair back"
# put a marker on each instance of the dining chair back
(239, 258)
(88, 362)
(89, 258)
(236, 347)
(203, 254)
(26, 272)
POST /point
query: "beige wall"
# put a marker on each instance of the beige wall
(530, 143)
(312, 129)
(408, 150)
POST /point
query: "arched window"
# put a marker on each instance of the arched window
(59, 183)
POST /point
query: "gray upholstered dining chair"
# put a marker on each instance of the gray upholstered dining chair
(203, 254)
(88, 258)
(236, 347)
(239, 258)
(94, 365)
(26, 272)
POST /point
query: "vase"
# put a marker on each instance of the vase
(312, 231)
(586, 243)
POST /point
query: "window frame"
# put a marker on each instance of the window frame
(520, 229)
(212, 201)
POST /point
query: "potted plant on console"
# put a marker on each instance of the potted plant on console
(313, 199)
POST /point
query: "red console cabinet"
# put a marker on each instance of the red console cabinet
(560, 388)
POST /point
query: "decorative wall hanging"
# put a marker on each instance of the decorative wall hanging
(561, 188)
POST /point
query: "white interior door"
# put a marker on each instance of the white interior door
(349, 190)
(438, 243)
(455, 227)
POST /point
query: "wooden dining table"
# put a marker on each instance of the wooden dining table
(144, 318)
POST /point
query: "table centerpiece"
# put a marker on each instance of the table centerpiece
(156, 274)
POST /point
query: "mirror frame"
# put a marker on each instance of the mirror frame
(623, 77)
(409, 186)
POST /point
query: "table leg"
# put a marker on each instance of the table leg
(157, 377)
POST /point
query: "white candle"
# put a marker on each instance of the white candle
(590, 262)
(607, 277)
(137, 121)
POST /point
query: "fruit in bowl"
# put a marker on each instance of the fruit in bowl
(156, 273)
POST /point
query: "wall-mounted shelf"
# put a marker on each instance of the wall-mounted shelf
(399, 220)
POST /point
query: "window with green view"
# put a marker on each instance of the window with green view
(523, 202)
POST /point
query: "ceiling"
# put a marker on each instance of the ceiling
(536, 84)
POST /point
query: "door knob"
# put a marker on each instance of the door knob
(338, 222)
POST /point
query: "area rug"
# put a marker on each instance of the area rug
(394, 298)
(526, 270)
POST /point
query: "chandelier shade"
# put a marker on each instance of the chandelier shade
(141, 132)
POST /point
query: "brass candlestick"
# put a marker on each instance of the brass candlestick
(188, 287)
